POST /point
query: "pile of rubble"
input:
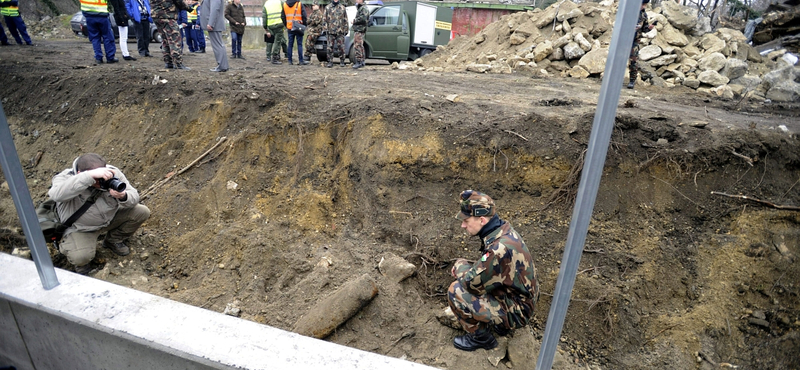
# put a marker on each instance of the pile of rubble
(573, 40)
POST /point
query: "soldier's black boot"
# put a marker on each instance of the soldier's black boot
(168, 65)
(181, 66)
(631, 83)
(341, 63)
(330, 64)
(275, 60)
(482, 338)
(501, 330)
(632, 79)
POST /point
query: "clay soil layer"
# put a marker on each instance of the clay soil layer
(323, 172)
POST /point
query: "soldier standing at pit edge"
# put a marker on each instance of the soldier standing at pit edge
(633, 68)
(359, 30)
(335, 25)
(313, 31)
(165, 15)
(500, 290)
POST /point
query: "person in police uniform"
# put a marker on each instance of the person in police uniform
(499, 291)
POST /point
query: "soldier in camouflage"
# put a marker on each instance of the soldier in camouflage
(313, 31)
(165, 15)
(641, 24)
(335, 25)
(359, 30)
(500, 290)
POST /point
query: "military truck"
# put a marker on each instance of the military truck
(402, 30)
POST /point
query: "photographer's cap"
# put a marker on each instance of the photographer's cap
(475, 204)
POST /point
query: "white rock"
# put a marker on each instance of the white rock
(734, 68)
(713, 62)
(582, 42)
(712, 78)
(573, 51)
(542, 50)
(649, 52)
(663, 60)
(594, 61)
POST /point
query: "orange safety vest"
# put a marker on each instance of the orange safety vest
(293, 14)
(94, 6)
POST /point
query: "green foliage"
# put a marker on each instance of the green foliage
(543, 4)
(737, 6)
(50, 5)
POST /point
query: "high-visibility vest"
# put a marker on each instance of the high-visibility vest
(11, 11)
(293, 14)
(273, 8)
(94, 6)
(193, 15)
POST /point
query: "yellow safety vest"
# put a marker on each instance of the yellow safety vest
(193, 15)
(293, 14)
(11, 11)
(94, 6)
(273, 8)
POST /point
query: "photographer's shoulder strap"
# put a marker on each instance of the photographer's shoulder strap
(89, 201)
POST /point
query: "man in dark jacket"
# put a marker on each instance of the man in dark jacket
(335, 25)
(165, 14)
(293, 12)
(139, 11)
(116, 213)
(359, 30)
(500, 290)
(234, 13)
(121, 18)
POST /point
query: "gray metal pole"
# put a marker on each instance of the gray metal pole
(12, 170)
(602, 127)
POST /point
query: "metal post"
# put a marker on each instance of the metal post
(12, 170)
(602, 127)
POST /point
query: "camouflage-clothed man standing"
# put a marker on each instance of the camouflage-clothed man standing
(165, 15)
(314, 30)
(641, 24)
(335, 25)
(500, 290)
(359, 30)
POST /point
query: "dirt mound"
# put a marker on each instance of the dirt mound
(568, 39)
(320, 179)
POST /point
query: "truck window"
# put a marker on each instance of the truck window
(389, 15)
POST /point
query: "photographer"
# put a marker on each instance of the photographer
(116, 210)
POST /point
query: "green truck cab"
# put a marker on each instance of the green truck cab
(403, 30)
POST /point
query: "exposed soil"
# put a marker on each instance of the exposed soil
(344, 167)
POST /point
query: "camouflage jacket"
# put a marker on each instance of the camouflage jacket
(642, 26)
(167, 9)
(361, 19)
(335, 19)
(505, 271)
(315, 21)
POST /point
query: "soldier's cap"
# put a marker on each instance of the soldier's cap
(475, 204)
(316, 2)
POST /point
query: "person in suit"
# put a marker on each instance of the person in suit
(212, 19)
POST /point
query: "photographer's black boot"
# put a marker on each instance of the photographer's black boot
(482, 338)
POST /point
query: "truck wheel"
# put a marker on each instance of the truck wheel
(322, 57)
(424, 52)
(352, 54)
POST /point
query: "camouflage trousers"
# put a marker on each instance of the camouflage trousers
(172, 40)
(336, 42)
(474, 311)
(274, 48)
(633, 67)
(311, 39)
(358, 46)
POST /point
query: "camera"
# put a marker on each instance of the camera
(113, 183)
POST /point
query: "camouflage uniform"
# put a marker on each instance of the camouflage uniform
(499, 289)
(313, 31)
(359, 30)
(641, 24)
(335, 25)
(165, 15)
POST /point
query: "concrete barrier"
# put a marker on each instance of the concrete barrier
(87, 324)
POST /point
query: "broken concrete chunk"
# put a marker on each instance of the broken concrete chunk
(395, 268)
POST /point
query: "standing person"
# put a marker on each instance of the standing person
(199, 34)
(335, 25)
(188, 31)
(641, 24)
(99, 30)
(293, 12)
(116, 211)
(314, 29)
(182, 23)
(212, 18)
(16, 26)
(234, 13)
(359, 30)
(165, 15)
(273, 29)
(139, 11)
(121, 17)
(500, 290)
